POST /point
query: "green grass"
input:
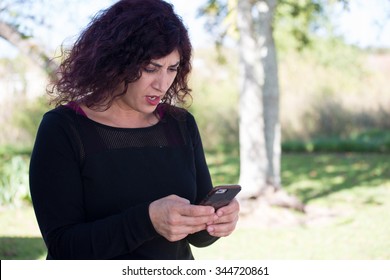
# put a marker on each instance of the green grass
(348, 179)
(364, 235)
(20, 238)
(355, 186)
(371, 141)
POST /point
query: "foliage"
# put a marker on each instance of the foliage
(330, 100)
(28, 17)
(29, 115)
(323, 80)
(215, 98)
(335, 145)
(367, 141)
(370, 141)
(295, 22)
(298, 20)
(23, 104)
(14, 183)
(20, 14)
(341, 100)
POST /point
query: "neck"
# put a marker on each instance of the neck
(117, 116)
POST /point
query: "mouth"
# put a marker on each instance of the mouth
(153, 99)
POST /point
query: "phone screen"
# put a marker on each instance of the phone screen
(221, 196)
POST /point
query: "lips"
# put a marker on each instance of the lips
(153, 99)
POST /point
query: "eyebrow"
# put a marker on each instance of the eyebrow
(159, 65)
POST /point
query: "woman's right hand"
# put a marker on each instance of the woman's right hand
(174, 217)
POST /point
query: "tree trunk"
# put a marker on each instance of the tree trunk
(260, 147)
(28, 48)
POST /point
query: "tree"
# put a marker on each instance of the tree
(259, 98)
(21, 20)
(28, 47)
(17, 21)
(260, 133)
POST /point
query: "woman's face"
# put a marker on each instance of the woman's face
(146, 93)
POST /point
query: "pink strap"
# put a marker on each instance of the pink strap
(76, 107)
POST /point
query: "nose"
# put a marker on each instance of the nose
(162, 82)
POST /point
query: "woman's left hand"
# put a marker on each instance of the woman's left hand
(227, 220)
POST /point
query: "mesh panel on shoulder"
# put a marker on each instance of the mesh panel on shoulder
(168, 132)
(93, 137)
(136, 138)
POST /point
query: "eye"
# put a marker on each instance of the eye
(173, 69)
(150, 69)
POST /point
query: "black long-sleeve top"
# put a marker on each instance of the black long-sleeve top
(91, 184)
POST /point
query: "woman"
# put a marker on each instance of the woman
(116, 168)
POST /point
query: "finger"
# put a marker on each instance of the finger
(182, 232)
(177, 217)
(196, 210)
(194, 221)
(177, 233)
(225, 219)
(184, 208)
(194, 229)
(221, 230)
(232, 207)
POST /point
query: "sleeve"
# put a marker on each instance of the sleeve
(203, 180)
(57, 196)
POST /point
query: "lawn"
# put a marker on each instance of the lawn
(19, 235)
(353, 190)
(351, 193)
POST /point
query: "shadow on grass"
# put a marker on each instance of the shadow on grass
(313, 176)
(22, 248)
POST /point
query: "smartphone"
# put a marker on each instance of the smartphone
(221, 196)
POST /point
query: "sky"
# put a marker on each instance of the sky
(366, 24)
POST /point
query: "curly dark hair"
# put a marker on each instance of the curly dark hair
(114, 48)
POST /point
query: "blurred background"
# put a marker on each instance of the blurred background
(334, 110)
